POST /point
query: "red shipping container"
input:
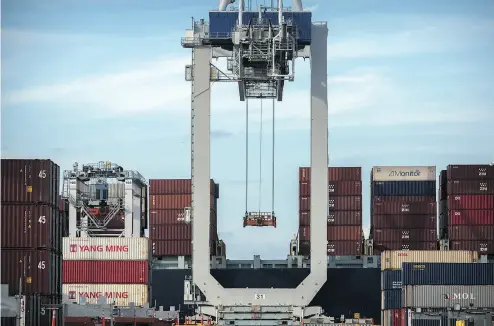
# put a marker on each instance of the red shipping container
(423, 221)
(471, 217)
(379, 246)
(176, 232)
(175, 201)
(30, 227)
(175, 248)
(30, 181)
(403, 199)
(105, 271)
(470, 187)
(175, 187)
(334, 173)
(343, 203)
(334, 233)
(399, 208)
(461, 202)
(410, 235)
(474, 172)
(399, 317)
(471, 232)
(172, 216)
(335, 248)
(335, 218)
(39, 271)
(483, 247)
(335, 188)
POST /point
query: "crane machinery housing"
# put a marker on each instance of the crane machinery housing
(260, 48)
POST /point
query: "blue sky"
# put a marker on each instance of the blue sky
(410, 83)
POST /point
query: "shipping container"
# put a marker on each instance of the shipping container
(404, 173)
(110, 271)
(176, 248)
(106, 248)
(334, 174)
(391, 299)
(175, 201)
(404, 188)
(447, 274)
(118, 294)
(483, 247)
(379, 247)
(335, 188)
(335, 248)
(335, 218)
(30, 181)
(172, 216)
(470, 217)
(411, 221)
(473, 172)
(403, 199)
(471, 232)
(343, 203)
(404, 208)
(394, 259)
(447, 296)
(391, 280)
(176, 232)
(39, 271)
(404, 235)
(462, 202)
(30, 227)
(175, 187)
(335, 233)
(470, 187)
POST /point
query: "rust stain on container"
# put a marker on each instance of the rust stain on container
(470, 187)
(335, 233)
(335, 248)
(409, 235)
(172, 216)
(175, 201)
(423, 221)
(343, 203)
(30, 181)
(483, 247)
(334, 174)
(94, 271)
(461, 202)
(335, 218)
(396, 208)
(176, 232)
(471, 232)
(175, 187)
(335, 188)
(473, 172)
(39, 271)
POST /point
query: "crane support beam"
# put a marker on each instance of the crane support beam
(201, 119)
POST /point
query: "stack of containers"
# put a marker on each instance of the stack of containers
(117, 268)
(344, 228)
(467, 207)
(31, 235)
(392, 262)
(169, 232)
(403, 208)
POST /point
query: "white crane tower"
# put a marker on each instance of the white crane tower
(260, 48)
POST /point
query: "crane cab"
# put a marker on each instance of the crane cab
(260, 219)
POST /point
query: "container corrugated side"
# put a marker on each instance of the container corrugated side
(172, 216)
(411, 235)
(473, 172)
(394, 259)
(470, 217)
(448, 274)
(174, 186)
(176, 201)
(341, 203)
(403, 188)
(334, 218)
(335, 248)
(412, 221)
(471, 232)
(176, 247)
(334, 173)
(404, 208)
(105, 248)
(391, 299)
(109, 271)
(335, 188)
(335, 233)
(483, 247)
(120, 294)
(461, 202)
(404, 173)
(391, 280)
(447, 296)
(470, 187)
(176, 232)
(381, 246)
(403, 199)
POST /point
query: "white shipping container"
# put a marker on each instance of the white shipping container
(117, 294)
(394, 259)
(108, 248)
(404, 173)
(446, 296)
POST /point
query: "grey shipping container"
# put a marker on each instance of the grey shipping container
(447, 296)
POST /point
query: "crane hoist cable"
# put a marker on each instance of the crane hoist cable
(246, 155)
(272, 172)
(260, 163)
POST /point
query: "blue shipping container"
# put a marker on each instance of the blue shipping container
(448, 274)
(391, 280)
(404, 188)
(222, 23)
(391, 299)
